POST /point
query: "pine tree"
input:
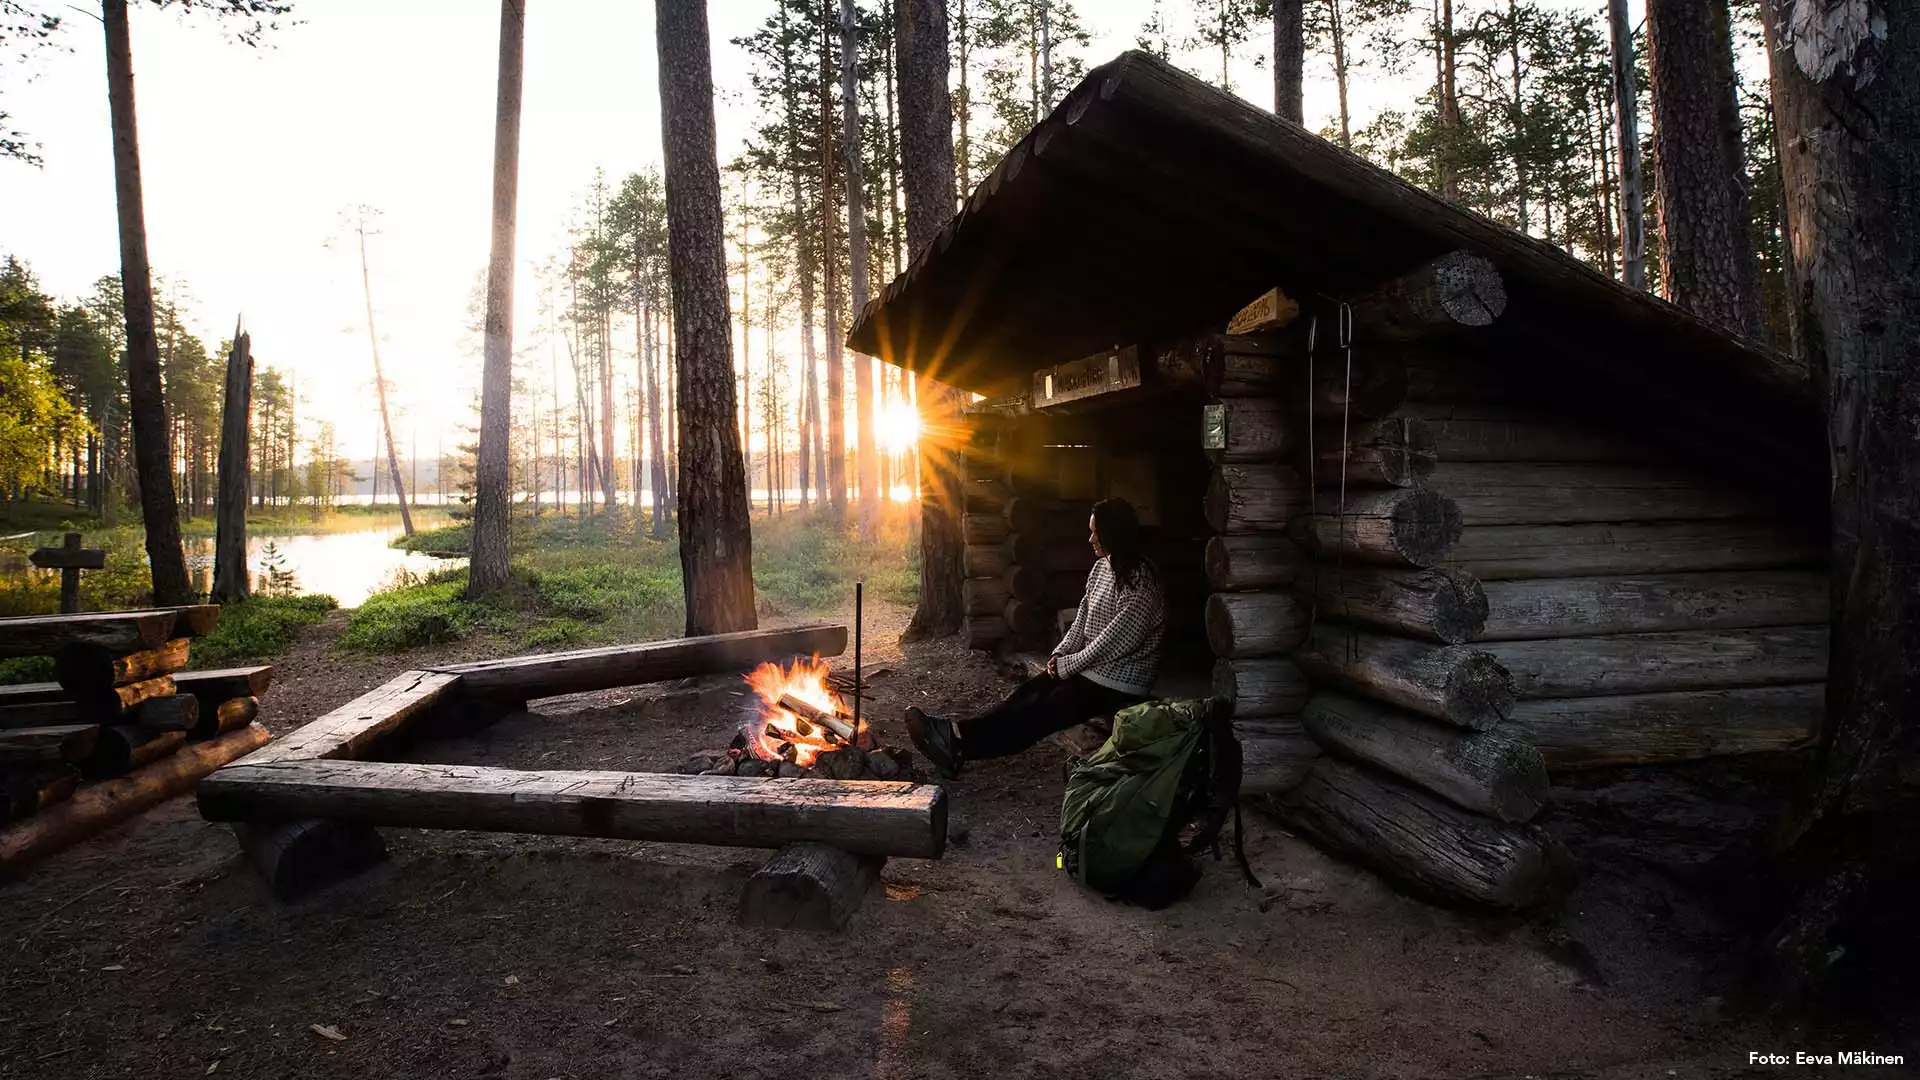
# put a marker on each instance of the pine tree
(716, 541)
(488, 569)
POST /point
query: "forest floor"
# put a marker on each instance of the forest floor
(152, 951)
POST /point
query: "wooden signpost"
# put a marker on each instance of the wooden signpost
(69, 558)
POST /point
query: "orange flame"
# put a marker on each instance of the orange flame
(805, 681)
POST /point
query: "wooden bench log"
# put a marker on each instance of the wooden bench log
(1555, 494)
(224, 684)
(525, 678)
(808, 886)
(1434, 605)
(984, 596)
(1246, 625)
(178, 712)
(116, 704)
(1652, 663)
(48, 745)
(1252, 561)
(97, 807)
(27, 792)
(1514, 552)
(983, 528)
(84, 669)
(1261, 687)
(985, 631)
(1658, 729)
(1487, 772)
(1405, 526)
(1392, 452)
(1276, 754)
(230, 715)
(864, 817)
(122, 748)
(1461, 685)
(299, 858)
(116, 631)
(986, 560)
(1586, 607)
(40, 714)
(1480, 432)
(354, 729)
(1455, 292)
(1423, 843)
(1254, 498)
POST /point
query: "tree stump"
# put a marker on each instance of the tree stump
(808, 887)
(299, 858)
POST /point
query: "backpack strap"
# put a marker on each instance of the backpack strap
(1240, 848)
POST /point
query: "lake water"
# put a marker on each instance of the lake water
(348, 566)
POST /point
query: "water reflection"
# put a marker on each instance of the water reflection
(348, 566)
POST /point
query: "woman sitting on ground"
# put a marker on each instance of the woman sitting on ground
(1107, 661)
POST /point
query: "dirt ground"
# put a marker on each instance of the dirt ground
(151, 951)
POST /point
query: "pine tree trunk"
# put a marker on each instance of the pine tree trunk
(1626, 122)
(926, 135)
(1707, 261)
(1449, 102)
(863, 366)
(1289, 57)
(716, 541)
(962, 109)
(487, 569)
(1340, 72)
(836, 457)
(152, 454)
(1850, 160)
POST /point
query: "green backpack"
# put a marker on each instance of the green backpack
(1167, 766)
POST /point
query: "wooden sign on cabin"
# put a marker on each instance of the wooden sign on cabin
(1103, 373)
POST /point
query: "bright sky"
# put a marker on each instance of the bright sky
(251, 156)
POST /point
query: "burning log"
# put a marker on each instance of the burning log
(840, 728)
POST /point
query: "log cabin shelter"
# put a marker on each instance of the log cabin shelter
(1451, 518)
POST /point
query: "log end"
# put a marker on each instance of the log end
(299, 858)
(1459, 606)
(808, 887)
(1469, 289)
(1479, 689)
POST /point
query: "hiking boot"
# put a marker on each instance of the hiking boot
(934, 737)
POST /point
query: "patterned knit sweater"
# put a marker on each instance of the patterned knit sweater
(1115, 637)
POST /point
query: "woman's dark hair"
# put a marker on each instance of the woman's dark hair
(1119, 530)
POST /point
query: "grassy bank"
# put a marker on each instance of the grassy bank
(604, 580)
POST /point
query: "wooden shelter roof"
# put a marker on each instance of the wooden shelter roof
(1150, 204)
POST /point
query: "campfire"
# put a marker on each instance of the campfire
(799, 724)
(800, 715)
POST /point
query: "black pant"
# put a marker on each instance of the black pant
(1041, 706)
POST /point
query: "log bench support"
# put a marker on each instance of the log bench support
(809, 886)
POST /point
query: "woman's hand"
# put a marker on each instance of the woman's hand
(1053, 666)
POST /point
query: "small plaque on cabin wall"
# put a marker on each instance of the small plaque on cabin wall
(1213, 428)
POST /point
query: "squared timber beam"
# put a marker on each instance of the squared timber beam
(864, 817)
(1114, 371)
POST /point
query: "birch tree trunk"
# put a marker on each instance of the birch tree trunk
(1844, 101)
(487, 570)
(716, 542)
(1707, 261)
(850, 144)
(926, 136)
(147, 403)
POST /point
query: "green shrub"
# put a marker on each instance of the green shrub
(456, 538)
(408, 617)
(259, 627)
(21, 669)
